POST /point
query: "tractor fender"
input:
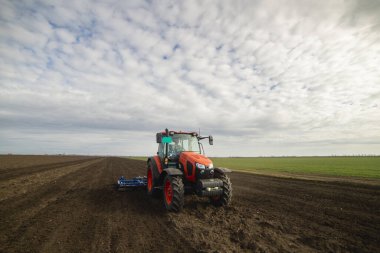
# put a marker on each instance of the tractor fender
(173, 172)
(222, 170)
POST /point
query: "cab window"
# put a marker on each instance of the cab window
(161, 149)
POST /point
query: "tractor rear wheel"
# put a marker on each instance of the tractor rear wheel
(173, 193)
(150, 182)
(225, 198)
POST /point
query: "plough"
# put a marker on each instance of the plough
(133, 183)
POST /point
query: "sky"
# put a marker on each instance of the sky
(265, 78)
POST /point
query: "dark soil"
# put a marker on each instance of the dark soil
(78, 209)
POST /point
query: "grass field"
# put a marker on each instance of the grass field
(350, 166)
(368, 167)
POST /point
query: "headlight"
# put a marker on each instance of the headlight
(200, 166)
(211, 166)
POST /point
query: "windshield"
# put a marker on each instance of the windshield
(183, 142)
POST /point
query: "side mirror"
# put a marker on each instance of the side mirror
(158, 137)
(211, 140)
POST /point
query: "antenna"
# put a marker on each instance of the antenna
(199, 131)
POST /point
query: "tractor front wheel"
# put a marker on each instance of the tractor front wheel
(225, 198)
(173, 193)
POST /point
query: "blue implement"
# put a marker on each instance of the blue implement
(131, 183)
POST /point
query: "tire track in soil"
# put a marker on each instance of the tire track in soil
(28, 183)
(86, 214)
(9, 173)
(23, 211)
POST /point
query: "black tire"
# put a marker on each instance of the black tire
(226, 197)
(150, 187)
(176, 201)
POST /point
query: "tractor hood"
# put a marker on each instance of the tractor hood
(193, 158)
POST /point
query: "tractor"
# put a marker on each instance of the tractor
(181, 166)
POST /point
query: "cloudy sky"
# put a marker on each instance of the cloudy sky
(263, 77)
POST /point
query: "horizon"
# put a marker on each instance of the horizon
(141, 156)
(265, 78)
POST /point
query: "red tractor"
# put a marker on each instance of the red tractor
(180, 167)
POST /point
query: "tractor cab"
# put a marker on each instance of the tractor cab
(172, 144)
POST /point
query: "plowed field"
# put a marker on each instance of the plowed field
(72, 206)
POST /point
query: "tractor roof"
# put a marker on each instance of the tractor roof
(179, 132)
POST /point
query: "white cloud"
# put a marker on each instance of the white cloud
(261, 75)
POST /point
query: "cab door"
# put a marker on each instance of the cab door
(162, 153)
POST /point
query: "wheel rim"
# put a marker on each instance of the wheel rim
(150, 180)
(168, 192)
